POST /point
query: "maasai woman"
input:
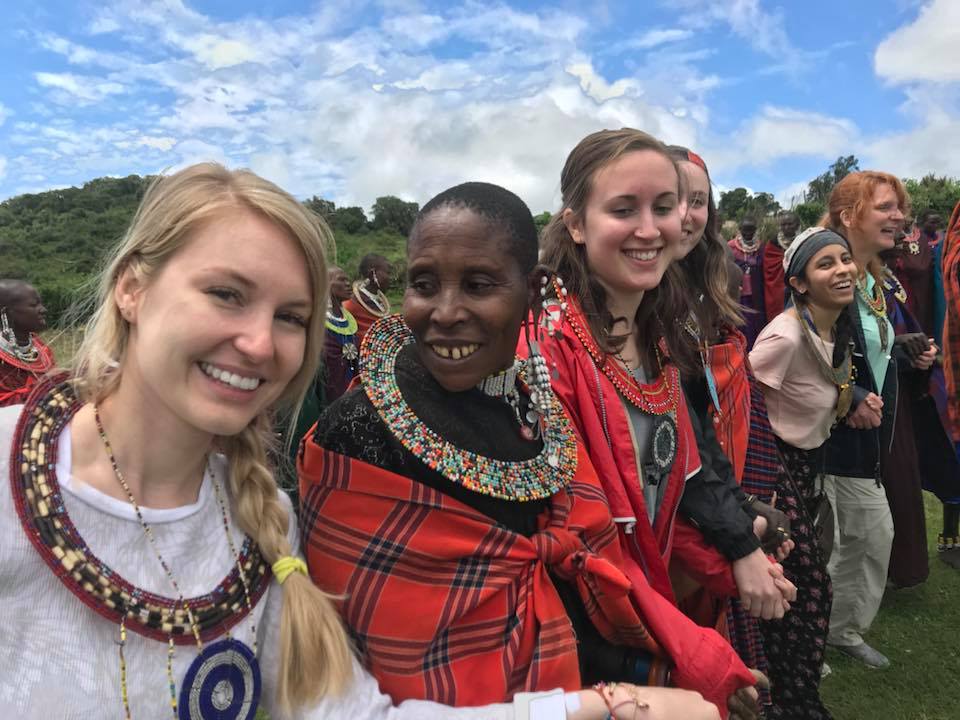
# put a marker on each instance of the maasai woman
(948, 544)
(368, 302)
(803, 362)
(867, 208)
(774, 285)
(923, 456)
(23, 355)
(611, 243)
(341, 348)
(448, 502)
(747, 251)
(146, 557)
(718, 392)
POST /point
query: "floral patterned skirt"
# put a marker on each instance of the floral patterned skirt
(795, 644)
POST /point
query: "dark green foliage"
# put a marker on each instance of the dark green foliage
(541, 220)
(59, 240)
(821, 186)
(809, 213)
(939, 194)
(737, 203)
(392, 213)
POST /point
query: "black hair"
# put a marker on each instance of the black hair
(370, 261)
(843, 330)
(498, 206)
(925, 215)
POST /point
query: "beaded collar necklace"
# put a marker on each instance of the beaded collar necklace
(877, 305)
(35, 356)
(746, 248)
(657, 398)
(345, 324)
(376, 304)
(43, 515)
(520, 480)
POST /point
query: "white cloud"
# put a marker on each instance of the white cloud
(85, 88)
(5, 112)
(762, 30)
(3, 167)
(596, 86)
(657, 37)
(927, 50)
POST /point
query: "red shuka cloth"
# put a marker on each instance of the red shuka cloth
(447, 605)
(17, 378)
(732, 423)
(774, 284)
(951, 324)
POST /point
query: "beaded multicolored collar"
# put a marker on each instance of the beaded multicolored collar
(39, 502)
(657, 398)
(41, 364)
(519, 480)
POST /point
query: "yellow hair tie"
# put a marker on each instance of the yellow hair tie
(286, 566)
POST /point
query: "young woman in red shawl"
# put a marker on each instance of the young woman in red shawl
(448, 502)
(23, 355)
(718, 389)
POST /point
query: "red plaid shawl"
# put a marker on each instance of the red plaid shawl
(732, 423)
(446, 605)
(951, 324)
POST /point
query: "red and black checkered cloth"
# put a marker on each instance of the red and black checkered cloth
(443, 603)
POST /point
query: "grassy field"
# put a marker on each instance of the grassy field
(918, 629)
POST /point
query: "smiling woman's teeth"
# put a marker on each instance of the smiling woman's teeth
(457, 353)
(641, 254)
(231, 379)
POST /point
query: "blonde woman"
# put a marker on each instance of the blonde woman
(148, 564)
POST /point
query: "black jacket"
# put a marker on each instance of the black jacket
(857, 453)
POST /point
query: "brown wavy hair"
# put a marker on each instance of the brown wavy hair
(706, 274)
(569, 260)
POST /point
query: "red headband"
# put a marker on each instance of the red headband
(697, 160)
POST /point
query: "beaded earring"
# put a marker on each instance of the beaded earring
(553, 309)
(5, 328)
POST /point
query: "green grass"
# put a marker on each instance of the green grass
(918, 630)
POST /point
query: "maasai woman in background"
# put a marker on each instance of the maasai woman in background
(612, 242)
(147, 561)
(774, 285)
(442, 495)
(368, 302)
(23, 355)
(803, 362)
(867, 208)
(341, 348)
(747, 250)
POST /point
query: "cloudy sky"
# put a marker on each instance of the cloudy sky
(351, 99)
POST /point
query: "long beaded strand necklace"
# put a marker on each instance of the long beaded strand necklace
(221, 695)
(877, 305)
(503, 385)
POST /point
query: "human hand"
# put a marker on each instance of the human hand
(625, 701)
(926, 359)
(756, 579)
(744, 704)
(868, 413)
(772, 527)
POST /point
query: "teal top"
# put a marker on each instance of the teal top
(877, 356)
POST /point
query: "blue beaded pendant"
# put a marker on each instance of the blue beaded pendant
(223, 683)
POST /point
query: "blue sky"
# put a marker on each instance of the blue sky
(352, 99)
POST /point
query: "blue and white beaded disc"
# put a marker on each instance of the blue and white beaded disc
(223, 683)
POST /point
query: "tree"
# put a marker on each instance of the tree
(733, 203)
(737, 203)
(541, 221)
(392, 213)
(809, 213)
(821, 186)
(937, 194)
(351, 220)
(323, 208)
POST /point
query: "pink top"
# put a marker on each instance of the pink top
(800, 401)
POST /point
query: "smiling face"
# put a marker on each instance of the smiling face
(789, 224)
(828, 278)
(631, 224)
(877, 227)
(218, 333)
(698, 210)
(466, 296)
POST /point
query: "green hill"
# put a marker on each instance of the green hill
(59, 239)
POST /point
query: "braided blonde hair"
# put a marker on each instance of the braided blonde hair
(315, 654)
